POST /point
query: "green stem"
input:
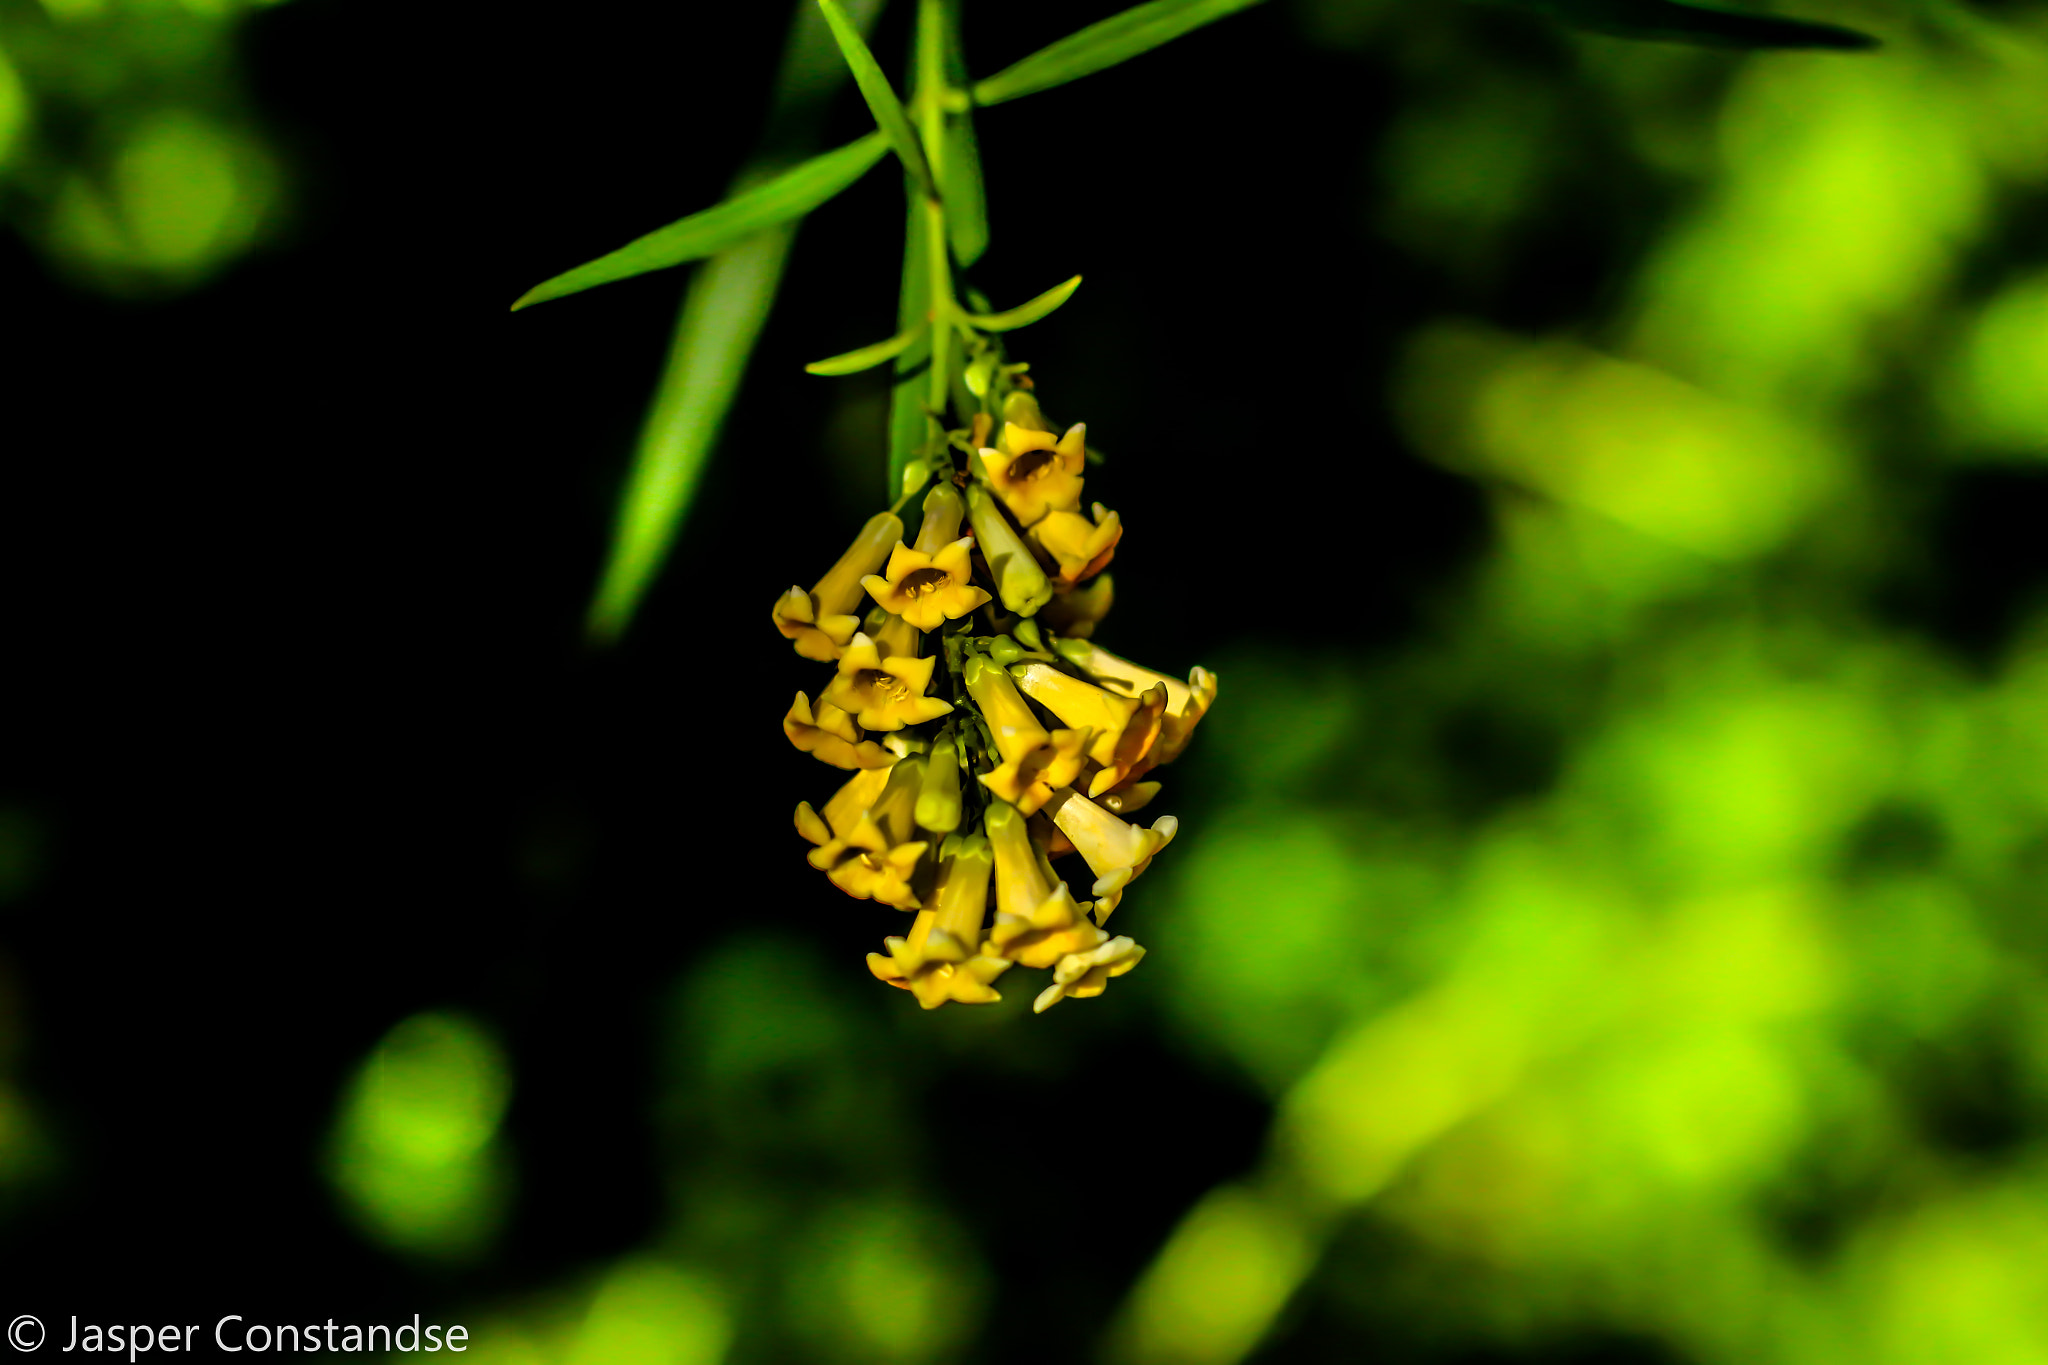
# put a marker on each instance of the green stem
(932, 97)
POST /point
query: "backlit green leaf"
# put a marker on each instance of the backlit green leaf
(721, 319)
(1026, 313)
(880, 95)
(1116, 39)
(789, 195)
(867, 357)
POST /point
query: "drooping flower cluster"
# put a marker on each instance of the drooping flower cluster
(986, 733)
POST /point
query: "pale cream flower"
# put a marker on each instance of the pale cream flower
(1084, 974)
(1116, 852)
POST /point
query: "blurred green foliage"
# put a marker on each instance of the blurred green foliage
(128, 155)
(414, 1152)
(1654, 1047)
(26, 1153)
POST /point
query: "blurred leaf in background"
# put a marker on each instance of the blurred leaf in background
(1663, 1062)
(415, 1151)
(128, 153)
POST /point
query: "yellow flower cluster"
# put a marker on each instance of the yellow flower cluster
(985, 731)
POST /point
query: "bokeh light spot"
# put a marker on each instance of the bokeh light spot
(884, 1281)
(650, 1313)
(414, 1151)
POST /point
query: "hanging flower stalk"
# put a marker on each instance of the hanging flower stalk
(987, 737)
(985, 748)
(984, 736)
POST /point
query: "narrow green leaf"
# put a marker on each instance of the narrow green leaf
(721, 319)
(1024, 314)
(1116, 39)
(722, 312)
(867, 357)
(909, 428)
(789, 195)
(1704, 25)
(880, 95)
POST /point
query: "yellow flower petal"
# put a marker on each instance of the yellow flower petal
(928, 590)
(1088, 973)
(1116, 852)
(832, 736)
(1128, 797)
(820, 621)
(1186, 703)
(870, 853)
(1035, 762)
(1079, 547)
(937, 959)
(1035, 473)
(1124, 728)
(1037, 919)
(855, 797)
(1076, 612)
(883, 693)
(1020, 583)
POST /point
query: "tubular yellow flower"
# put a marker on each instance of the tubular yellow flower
(873, 856)
(1080, 548)
(1116, 852)
(1038, 922)
(1035, 473)
(1076, 612)
(868, 866)
(832, 736)
(845, 808)
(1084, 974)
(1020, 583)
(1127, 797)
(893, 635)
(1186, 702)
(933, 581)
(1035, 762)
(967, 983)
(938, 960)
(1125, 728)
(883, 693)
(820, 621)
